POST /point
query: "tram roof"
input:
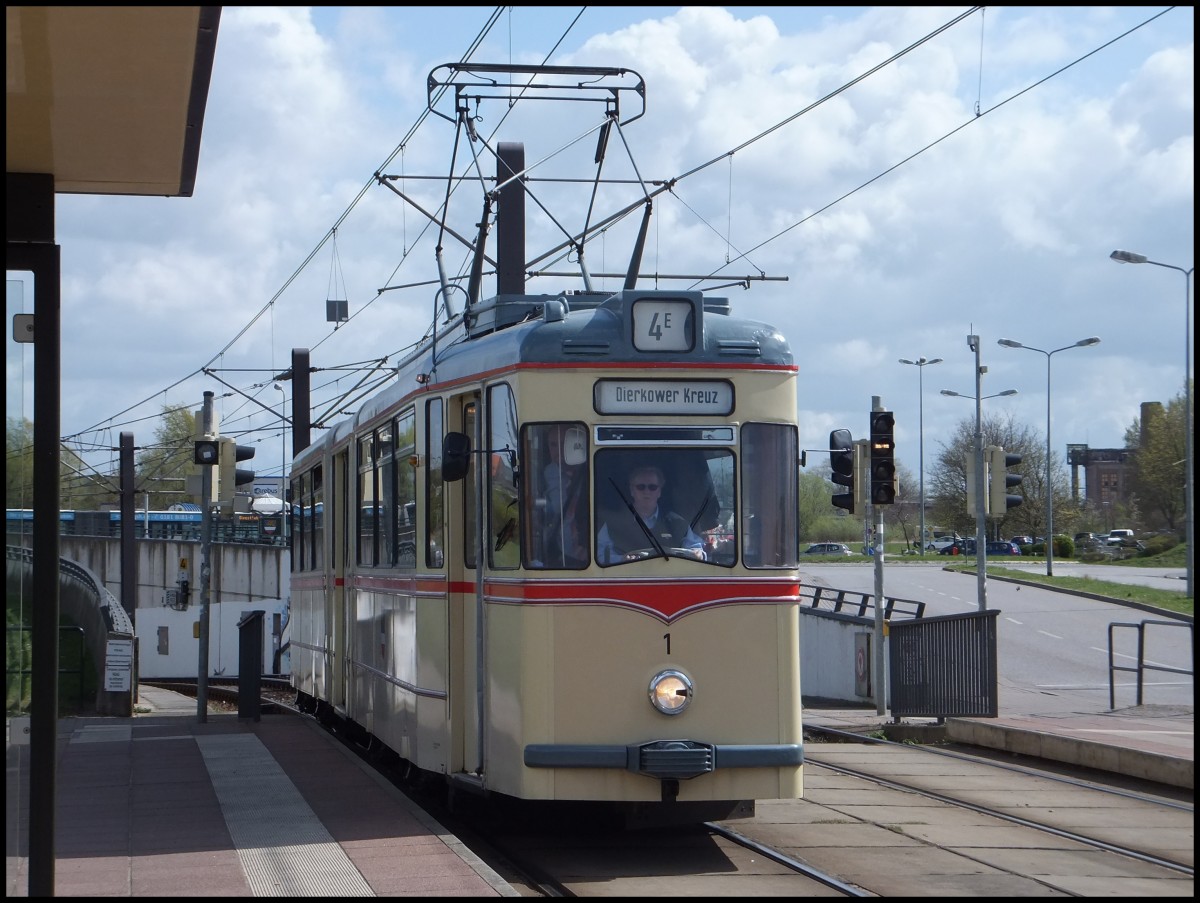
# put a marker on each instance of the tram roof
(588, 330)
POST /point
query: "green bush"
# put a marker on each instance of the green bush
(1064, 547)
(78, 679)
(1157, 544)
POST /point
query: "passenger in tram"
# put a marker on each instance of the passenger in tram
(623, 535)
(565, 479)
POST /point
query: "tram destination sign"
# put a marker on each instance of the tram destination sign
(663, 396)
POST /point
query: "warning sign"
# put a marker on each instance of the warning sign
(118, 666)
(862, 664)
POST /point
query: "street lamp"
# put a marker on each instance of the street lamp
(283, 504)
(1131, 257)
(921, 363)
(1082, 343)
(980, 488)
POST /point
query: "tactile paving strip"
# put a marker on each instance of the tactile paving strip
(284, 849)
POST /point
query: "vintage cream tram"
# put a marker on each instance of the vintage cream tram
(556, 559)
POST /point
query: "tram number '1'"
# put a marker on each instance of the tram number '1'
(667, 637)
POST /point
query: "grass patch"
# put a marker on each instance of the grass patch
(1166, 599)
(1169, 600)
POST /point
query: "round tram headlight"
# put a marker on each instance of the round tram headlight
(670, 692)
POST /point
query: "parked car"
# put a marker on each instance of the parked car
(959, 547)
(1119, 537)
(828, 548)
(1089, 540)
(942, 542)
(1002, 547)
(1022, 540)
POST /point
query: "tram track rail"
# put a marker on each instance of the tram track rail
(992, 811)
(862, 794)
(275, 693)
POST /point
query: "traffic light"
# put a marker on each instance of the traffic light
(230, 475)
(883, 458)
(842, 460)
(1000, 481)
(206, 452)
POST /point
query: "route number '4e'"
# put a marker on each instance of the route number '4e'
(662, 325)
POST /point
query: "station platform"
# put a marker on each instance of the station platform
(1147, 742)
(162, 804)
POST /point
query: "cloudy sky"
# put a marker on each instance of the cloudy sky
(901, 178)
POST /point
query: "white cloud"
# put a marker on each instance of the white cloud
(1001, 229)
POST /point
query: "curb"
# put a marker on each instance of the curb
(1149, 766)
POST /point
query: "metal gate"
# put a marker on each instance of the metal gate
(944, 666)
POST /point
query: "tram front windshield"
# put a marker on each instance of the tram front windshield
(720, 502)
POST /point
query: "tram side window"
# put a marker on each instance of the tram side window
(406, 491)
(385, 508)
(315, 536)
(469, 521)
(770, 475)
(300, 560)
(288, 520)
(435, 489)
(503, 510)
(557, 504)
(307, 521)
(289, 514)
(368, 496)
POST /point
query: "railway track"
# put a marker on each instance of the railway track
(1072, 794)
(878, 818)
(276, 694)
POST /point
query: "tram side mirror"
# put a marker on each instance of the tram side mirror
(574, 446)
(456, 456)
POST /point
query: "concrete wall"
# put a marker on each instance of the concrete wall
(169, 646)
(244, 578)
(827, 654)
(240, 572)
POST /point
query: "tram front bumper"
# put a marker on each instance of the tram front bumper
(664, 759)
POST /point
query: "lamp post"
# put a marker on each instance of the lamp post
(1082, 343)
(980, 488)
(283, 505)
(1131, 257)
(921, 363)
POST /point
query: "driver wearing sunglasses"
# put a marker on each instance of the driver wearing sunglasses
(619, 537)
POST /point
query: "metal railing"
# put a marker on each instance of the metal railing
(944, 666)
(860, 605)
(1141, 667)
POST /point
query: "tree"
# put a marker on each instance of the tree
(906, 513)
(18, 463)
(162, 467)
(1158, 476)
(819, 520)
(78, 488)
(946, 484)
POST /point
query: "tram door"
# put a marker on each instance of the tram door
(339, 618)
(465, 599)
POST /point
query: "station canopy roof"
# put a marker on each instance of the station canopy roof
(108, 99)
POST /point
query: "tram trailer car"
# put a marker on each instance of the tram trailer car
(451, 599)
